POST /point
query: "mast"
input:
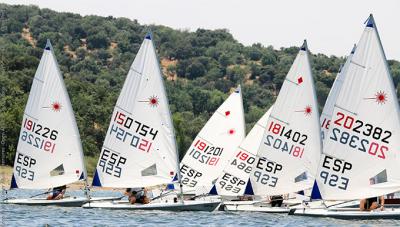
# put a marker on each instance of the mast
(239, 88)
(86, 188)
(305, 47)
(149, 36)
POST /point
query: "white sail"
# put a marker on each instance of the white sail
(49, 152)
(139, 149)
(326, 115)
(291, 145)
(234, 178)
(214, 145)
(361, 152)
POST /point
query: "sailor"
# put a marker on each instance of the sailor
(57, 193)
(373, 202)
(137, 195)
(276, 200)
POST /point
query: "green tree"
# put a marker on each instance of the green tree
(195, 69)
(97, 40)
(237, 73)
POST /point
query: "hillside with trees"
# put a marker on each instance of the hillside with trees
(94, 53)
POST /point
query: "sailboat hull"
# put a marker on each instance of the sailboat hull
(66, 202)
(257, 206)
(185, 206)
(348, 213)
(287, 205)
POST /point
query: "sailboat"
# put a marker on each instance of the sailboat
(49, 152)
(213, 146)
(140, 149)
(360, 158)
(253, 140)
(288, 155)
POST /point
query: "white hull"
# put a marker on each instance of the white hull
(185, 206)
(257, 206)
(330, 204)
(287, 205)
(109, 198)
(347, 213)
(66, 202)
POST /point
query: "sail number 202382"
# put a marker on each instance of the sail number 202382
(360, 127)
(352, 132)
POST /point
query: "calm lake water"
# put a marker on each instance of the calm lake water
(17, 215)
